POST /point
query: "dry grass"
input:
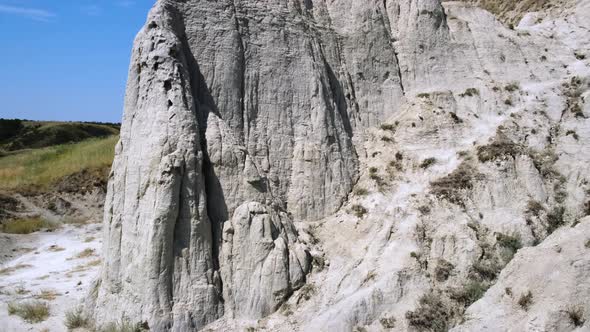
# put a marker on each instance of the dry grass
(11, 269)
(31, 312)
(27, 225)
(77, 319)
(89, 239)
(56, 248)
(39, 168)
(85, 253)
(47, 294)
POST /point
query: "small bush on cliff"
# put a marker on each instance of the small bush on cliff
(427, 163)
(555, 219)
(451, 187)
(358, 210)
(498, 149)
(526, 300)
(431, 315)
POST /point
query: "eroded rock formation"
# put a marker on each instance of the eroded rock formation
(332, 165)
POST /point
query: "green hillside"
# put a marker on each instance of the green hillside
(22, 134)
(40, 156)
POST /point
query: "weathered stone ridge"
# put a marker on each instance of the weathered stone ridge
(297, 165)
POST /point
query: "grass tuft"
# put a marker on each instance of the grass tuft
(76, 319)
(31, 312)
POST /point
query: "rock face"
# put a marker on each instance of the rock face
(339, 165)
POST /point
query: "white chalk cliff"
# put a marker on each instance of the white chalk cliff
(340, 165)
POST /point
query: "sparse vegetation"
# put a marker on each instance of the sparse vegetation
(77, 319)
(386, 139)
(499, 148)
(534, 208)
(358, 210)
(526, 300)
(387, 322)
(511, 242)
(124, 326)
(576, 316)
(424, 210)
(388, 127)
(306, 292)
(85, 253)
(487, 269)
(359, 191)
(508, 102)
(27, 225)
(423, 95)
(373, 174)
(470, 292)
(31, 312)
(573, 133)
(10, 269)
(470, 92)
(555, 219)
(47, 294)
(443, 270)
(431, 315)
(455, 117)
(426, 163)
(512, 87)
(451, 186)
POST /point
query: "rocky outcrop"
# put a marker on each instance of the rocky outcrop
(262, 262)
(371, 165)
(549, 294)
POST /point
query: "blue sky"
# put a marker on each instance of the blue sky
(66, 59)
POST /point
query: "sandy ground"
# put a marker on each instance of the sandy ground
(63, 262)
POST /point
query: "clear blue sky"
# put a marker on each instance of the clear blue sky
(66, 59)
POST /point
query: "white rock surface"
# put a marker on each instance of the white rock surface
(410, 147)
